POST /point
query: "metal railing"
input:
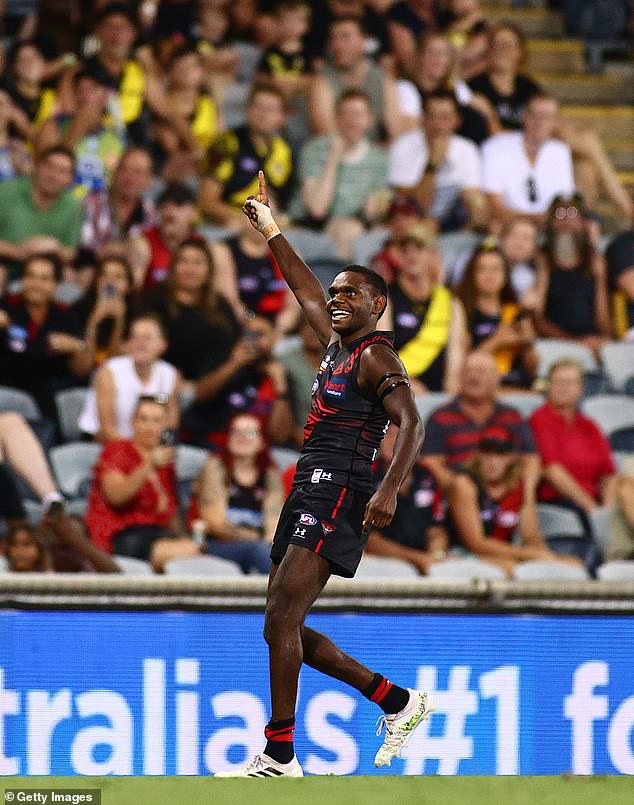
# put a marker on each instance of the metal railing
(87, 591)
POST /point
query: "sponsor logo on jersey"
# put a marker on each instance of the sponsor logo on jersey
(307, 519)
(299, 532)
(324, 363)
(327, 528)
(320, 475)
(315, 386)
(335, 389)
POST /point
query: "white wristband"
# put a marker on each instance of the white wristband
(261, 217)
(270, 231)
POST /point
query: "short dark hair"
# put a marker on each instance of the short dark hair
(442, 95)
(136, 149)
(353, 94)
(124, 9)
(177, 193)
(372, 278)
(267, 88)
(49, 257)
(20, 45)
(347, 18)
(149, 315)
(92, 75)
(291, 5)
(58, 148)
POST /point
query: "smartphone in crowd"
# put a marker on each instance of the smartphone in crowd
(169, 437)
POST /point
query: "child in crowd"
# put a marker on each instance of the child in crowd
(285, 63)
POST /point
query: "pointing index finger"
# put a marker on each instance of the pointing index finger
(261, 183)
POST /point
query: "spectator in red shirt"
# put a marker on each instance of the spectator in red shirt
(486, 506)
(454, 430)
(579, 469)
(132, 510)
(151, 253)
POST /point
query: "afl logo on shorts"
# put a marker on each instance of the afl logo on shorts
(307, 519)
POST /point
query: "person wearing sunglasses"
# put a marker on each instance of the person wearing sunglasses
(571, 286)
(522, 171)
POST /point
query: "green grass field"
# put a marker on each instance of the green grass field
(342, 790)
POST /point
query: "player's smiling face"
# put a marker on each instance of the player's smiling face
(351, 303)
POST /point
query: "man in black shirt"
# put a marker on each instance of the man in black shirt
(360, 386)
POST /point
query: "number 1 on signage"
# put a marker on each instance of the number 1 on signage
(503, 684)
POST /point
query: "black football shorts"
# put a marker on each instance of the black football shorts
(327, 520)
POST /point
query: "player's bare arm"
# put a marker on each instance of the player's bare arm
(300, 279)
(382, 373)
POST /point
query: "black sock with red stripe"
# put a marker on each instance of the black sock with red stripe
(389, 697)
(279, 740)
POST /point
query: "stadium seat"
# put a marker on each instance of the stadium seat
(384, 567)
(620, 457)
(600, 521)
(467, 568)
(614, 413)
(77, 507)
(312, 246)
(549, 571)
(427, 403)
(213, 233)
(130, 566)
(69, 404)
(33, 510)
(249, 58)
(72, 465)
(551, 350)
(202, 566)
(453, 245)
(366, 246)
(525, 404)
(618, 361)
(556, 521)
(19, 401)
(617, 570)
(67, 293)
(4, 565)
(284, 457)
(326, 270)
(190, 461)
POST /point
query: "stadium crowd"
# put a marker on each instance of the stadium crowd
(148, 342)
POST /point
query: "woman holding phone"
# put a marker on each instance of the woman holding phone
(103, 313)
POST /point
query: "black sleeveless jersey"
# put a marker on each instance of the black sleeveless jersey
(344, 429)
(261, 287)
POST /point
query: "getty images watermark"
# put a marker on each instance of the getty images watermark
(47, 796)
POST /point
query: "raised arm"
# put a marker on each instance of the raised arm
(300, 279)
(382, 373)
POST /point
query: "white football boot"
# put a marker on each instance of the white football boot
(264, 766)
(399, 726)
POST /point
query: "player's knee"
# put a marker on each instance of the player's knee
(279, 616)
